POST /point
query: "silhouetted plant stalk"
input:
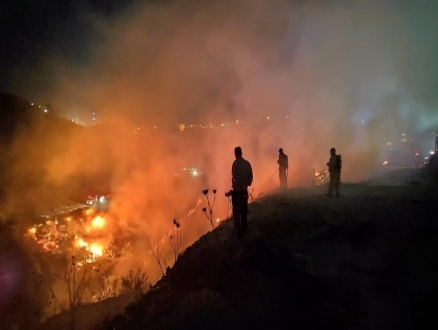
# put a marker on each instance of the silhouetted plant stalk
(76, 283)
(175, 239)
(209, 215)
(105, 289)
(162, 264)
(135, 280)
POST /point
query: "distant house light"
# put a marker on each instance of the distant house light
(46, 111)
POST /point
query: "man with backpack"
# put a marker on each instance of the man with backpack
(334, 168)
(242, 177)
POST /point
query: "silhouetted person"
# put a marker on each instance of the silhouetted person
(334, 168)
(241, 178)
(283, 164)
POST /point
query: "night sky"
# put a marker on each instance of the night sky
(376, 59)
(31, 30)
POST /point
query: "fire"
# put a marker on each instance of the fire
(81, 243)
(64, 232)
(96, 249)
(319, 176)
(98, 222)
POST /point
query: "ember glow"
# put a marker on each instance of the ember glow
(80, 243)
(98, 222)
(319, 177)
(96, 249)
(80, 234)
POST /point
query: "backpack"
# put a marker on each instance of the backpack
(338, 162)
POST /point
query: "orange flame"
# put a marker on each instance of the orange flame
(98, 222)
(96, 249)
(81, 243)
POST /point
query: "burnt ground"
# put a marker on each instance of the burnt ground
(365, 261)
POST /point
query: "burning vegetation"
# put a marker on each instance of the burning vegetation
(82, 233)
(319, 176)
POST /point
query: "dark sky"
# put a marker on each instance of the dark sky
(31, 29)
(378, 59)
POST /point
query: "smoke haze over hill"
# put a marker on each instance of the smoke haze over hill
(305, 76)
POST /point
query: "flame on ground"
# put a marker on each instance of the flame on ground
(96, 249)
(74, 234)
(98, 222)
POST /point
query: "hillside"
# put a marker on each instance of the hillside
(366, 261)
(16, 113)
(30, 138)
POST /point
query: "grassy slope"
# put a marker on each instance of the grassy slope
(366, 261)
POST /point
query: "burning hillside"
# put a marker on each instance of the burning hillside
(85, 233)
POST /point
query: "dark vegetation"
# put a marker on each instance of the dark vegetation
(366, 261)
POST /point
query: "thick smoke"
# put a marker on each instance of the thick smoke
(348, 75)
(305, 76)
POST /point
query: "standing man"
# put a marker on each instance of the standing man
(283, 164)
(334, 168)
(241, 178)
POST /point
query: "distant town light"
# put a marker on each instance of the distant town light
(46, 111)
